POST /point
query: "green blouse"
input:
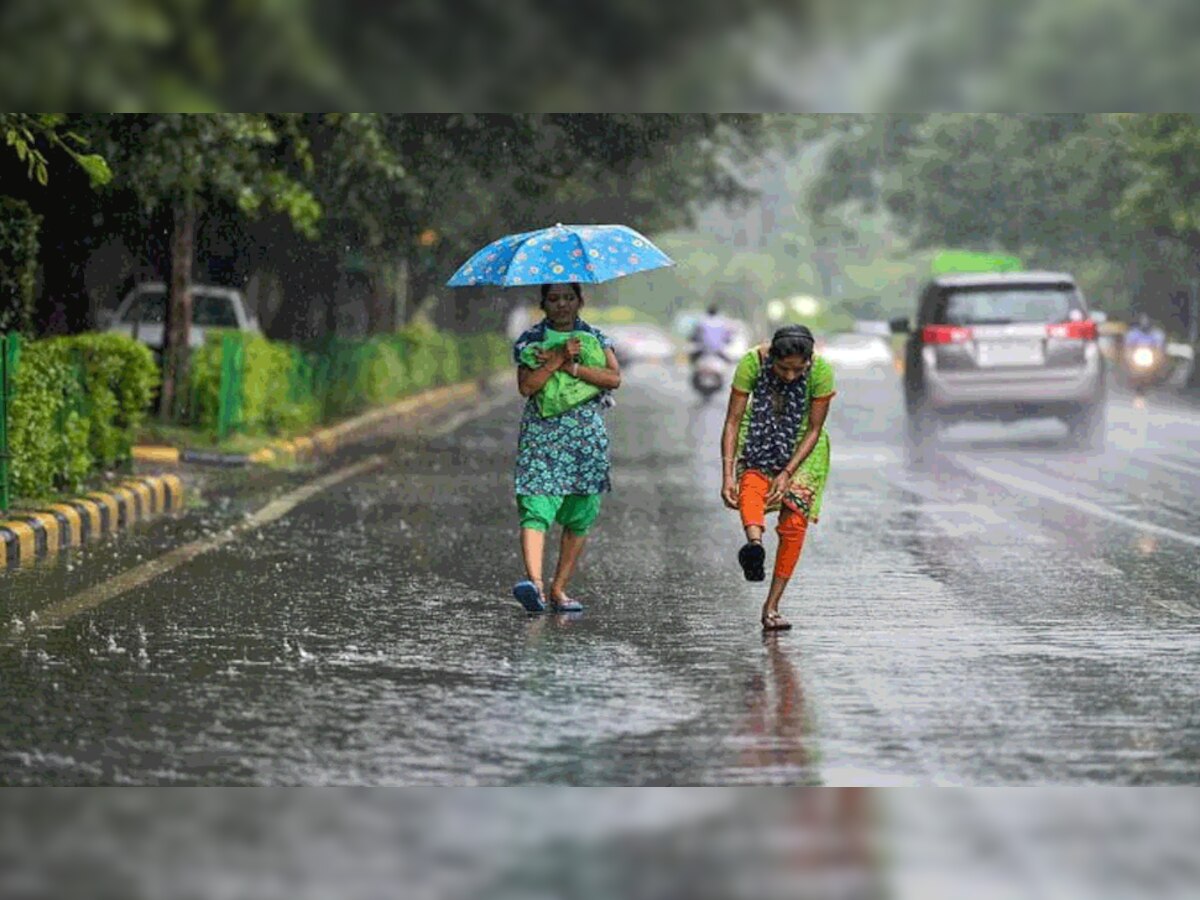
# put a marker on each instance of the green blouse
(808, 484)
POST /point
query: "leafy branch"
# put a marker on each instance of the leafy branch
(24, 131)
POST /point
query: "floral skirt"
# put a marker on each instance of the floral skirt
(564, 454)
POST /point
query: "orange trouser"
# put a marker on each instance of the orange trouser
(752, 504)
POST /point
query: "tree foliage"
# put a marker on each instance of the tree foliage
(1108, 197)
(1164, 151)
(18, 264)
(28, 133)
(202, 55)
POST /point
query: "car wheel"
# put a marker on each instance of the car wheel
(1088, 426)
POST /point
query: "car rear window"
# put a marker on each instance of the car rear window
(213, 312)
(1008, 306)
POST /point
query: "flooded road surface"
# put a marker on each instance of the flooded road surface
(1008, 612)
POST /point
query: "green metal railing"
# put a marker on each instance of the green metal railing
(233, 371)
(10, 357)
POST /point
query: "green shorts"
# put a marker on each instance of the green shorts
(575, 512)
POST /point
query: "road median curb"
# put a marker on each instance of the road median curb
(31, 534)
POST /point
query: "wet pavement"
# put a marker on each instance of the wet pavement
(1007, 612)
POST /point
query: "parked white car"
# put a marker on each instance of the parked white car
(846, 350)
(143, 312)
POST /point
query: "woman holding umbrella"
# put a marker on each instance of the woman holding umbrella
(562, 465)
(562, 460)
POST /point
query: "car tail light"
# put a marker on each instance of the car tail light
(945, 334)
(1072, 331)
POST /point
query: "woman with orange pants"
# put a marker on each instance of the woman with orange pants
(775, 453)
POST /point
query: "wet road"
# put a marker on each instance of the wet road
(1009, 612)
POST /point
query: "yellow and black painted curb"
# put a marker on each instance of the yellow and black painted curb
(319, 443)
(34, 533)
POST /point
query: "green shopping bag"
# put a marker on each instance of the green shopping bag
(563, 391)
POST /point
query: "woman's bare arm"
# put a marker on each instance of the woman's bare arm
(607, 378)
(530, 381)
(733, 417)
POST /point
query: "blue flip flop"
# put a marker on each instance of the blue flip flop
(567, 605)
(529, 597)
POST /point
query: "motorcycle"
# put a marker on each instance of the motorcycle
(1145, 364)
(709, 371)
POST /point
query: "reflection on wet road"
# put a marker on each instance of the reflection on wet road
(1009, 612)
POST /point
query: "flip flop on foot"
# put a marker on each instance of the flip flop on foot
(529, 596)
(775, 622)
(566, 604)
(751, 558)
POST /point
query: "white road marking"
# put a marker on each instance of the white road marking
(1178, 607)
(148, 571)
(1176, 466)
(1017, 483)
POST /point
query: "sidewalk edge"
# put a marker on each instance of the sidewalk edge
(323, 442)
(31, 534)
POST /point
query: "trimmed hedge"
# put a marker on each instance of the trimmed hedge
(76, 404)
(286, 390)
(270, 404)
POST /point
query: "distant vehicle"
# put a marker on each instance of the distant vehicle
(1144, 360)
(1144, 365)
(143, 312)
(640, 343)
(709, 374)
(848, 351)
(1003, 346)
(685, 323)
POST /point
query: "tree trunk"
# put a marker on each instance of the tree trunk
(419, 294)
(381, 304)
(178, 328)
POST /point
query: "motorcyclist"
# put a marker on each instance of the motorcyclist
(1145, 333)
(712, 334)
(1144, 356)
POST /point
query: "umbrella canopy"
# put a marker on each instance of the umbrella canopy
(589, 254)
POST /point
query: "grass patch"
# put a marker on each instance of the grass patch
(185, 438)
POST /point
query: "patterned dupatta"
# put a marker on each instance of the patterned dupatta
(777, 408)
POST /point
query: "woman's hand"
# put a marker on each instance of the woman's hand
(553, 359)
(779, 486)
(573, 348)
(729, 491)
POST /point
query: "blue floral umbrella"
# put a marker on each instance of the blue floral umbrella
(589, 254)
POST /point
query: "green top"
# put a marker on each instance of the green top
(808, 484)
(563, 391)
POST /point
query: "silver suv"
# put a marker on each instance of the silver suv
(1003, 347)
